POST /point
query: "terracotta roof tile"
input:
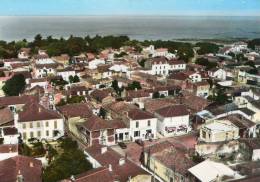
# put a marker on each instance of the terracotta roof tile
(173, 111)
(76, 110)
(35, 112)
(29, 168)
(137, 114)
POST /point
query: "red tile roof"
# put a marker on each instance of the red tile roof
(15, 100)
(96, 123)
(76, 110)
(36, 112)
(173, 111)
(95, 175)
(137, 114)
(29, 168)
(120, 172)
(8, 149)
(6, 116)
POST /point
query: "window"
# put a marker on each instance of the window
(38, 125)
(31, 134)
(47, 133)
(55, 124)
(137, 124)
(149, 123)
(24, 126)
(24, 136)
(47, 124)
(136, 133)
(31, 125)
(203, 134)
(39, 134)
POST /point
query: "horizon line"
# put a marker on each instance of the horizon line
(132, 15)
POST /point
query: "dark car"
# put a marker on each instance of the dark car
(122, 145)
(139, 142)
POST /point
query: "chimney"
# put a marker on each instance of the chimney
(121, 161)
(110, 167)
(19, 177)
(72, 178)
(103, 150)
(31, 164)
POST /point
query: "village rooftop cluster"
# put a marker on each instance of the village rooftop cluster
(131, 114)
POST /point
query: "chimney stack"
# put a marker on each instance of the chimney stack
(103, 150)
(121, 161)
(110, 167)
(31, 164)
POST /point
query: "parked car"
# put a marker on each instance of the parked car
(122, 145)
(139, 142)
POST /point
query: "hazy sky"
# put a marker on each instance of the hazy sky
(130, 7)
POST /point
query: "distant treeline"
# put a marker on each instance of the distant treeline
(76, 45)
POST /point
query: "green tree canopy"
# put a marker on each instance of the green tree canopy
(71, 161)
(15, 85)
(134, 85)
(253, 43)
(205, 62)
(206, 48)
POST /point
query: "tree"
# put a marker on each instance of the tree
(121, 54)
(73, 79)
(205, 62)
(142, 63)
(156, 95)
(15, 85)
(76, 79)
(115, 85)
(134, 85)
(206, 48)
(250, 63)
(253, 43)
(102, 113)
(71, 161)
(75, 99)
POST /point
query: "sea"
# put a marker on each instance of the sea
(136, 27)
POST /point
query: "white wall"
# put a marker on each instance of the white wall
(43, 129)
(4, 156)
(66, 74)
(11, 139)
(256, 155)
(143, 127)
(171, 122)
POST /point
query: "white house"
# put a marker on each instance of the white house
(10, 135)
(252, 103)
(34, 121)
(194, 76)
(142, 125)
(8, 151)
(176, 65)
(42, 82)
(66, 73)
(9, 62)
(173, 120)
(94, 63)
(158, 66)
(160, 52)
(43, 70)
(218, 73)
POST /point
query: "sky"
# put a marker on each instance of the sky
(130, 7)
